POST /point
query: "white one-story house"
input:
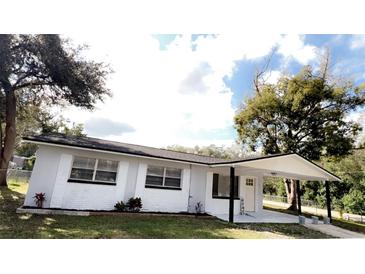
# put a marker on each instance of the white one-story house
(86, 173)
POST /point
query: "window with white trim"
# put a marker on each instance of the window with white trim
(92, 170)
(163, 177)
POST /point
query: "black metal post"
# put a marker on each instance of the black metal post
(328, 200)
(231, 195)
(299, 203)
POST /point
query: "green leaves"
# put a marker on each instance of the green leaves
(302, 113)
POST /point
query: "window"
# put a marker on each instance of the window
(163, 177)
(249, 181)
(91, 170)
(221, 186)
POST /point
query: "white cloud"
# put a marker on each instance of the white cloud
(162, 94)
(272, 76)
(358, 41)
(293, 47)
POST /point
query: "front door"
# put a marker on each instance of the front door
(249, 194)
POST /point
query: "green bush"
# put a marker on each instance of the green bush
(29, 163)
(134, 204)
(120, 206)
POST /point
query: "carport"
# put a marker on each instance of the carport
(290, 166)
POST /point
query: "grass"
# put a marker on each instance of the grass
(22, 226)
(349, 225)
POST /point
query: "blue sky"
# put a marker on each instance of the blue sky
(184, 89)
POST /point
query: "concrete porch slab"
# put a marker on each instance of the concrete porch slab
(263, 216)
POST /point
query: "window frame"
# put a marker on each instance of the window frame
(95, 169)
(237, 178)
(163, 186)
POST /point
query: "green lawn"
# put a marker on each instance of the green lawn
(14, 225)
(350, 225)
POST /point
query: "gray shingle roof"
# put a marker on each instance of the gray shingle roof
(118, 147)
(99, 144)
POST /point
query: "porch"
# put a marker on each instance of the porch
(290, 166)
(263, 216)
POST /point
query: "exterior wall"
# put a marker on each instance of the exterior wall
(44, 175)
(197, 187)
(167, 200)
(217, 206)
(221, 206)
(131, 179)
(53, 166)
(260, 193)
(51, 172)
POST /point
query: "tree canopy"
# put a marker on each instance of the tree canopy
(43, 70)
(304, 113)
(223, 152)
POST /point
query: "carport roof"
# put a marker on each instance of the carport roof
(96, 144)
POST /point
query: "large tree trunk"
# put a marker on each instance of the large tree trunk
(10, 134)
(291, 193)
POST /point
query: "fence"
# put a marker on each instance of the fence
(315, 208)
(283, 199)
(19, 175)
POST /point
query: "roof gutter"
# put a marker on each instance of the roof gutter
(114, 152)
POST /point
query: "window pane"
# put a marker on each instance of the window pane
(82, 162)
(154, 180)
(106, 176)
(155, 171)
(173, 172)
(236, 187)
(84, 174)
(223, 186)
(215, 184)
(172, 182)
(107, 165)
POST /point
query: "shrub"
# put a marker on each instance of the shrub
(120, 206)
(134, 204)
(39, 198)
(29, 163)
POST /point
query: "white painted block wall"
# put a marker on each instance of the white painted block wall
(44, 175)
(197, 187)
(163, 200)
(53, 166)
(217, 206)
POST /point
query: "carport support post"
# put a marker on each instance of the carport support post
(299, 203)
(328, 200)
(231, 195)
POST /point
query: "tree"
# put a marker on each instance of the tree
(304, 113)
(351, 169)
(40, 121)
(43, 70)
(223, 152)
(354, 202)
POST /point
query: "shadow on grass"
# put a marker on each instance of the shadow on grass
(290, 230)
(13, 225)
(23, 226)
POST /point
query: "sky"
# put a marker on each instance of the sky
(185, 89)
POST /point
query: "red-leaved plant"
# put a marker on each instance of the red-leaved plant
(39, 198)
